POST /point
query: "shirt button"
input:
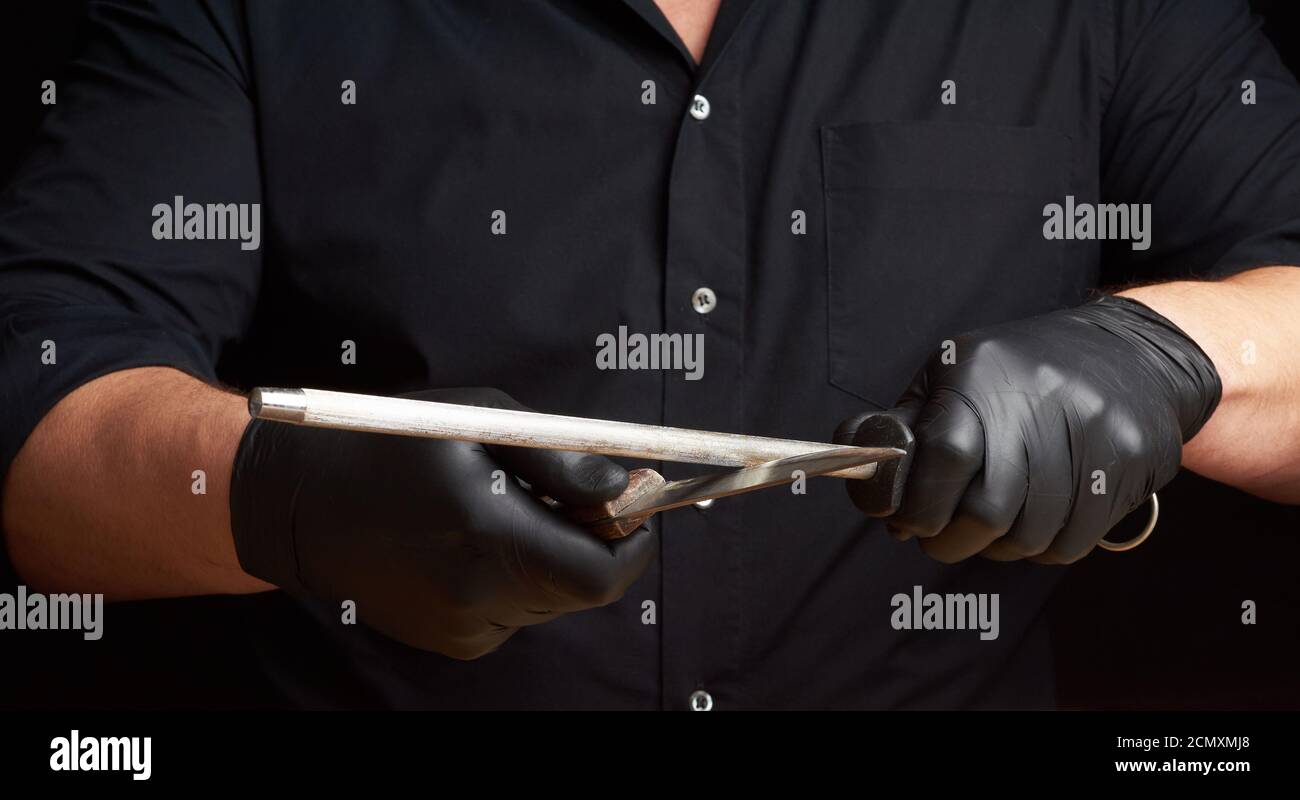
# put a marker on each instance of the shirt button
(700, 701)
(700, 107)
(704, 300)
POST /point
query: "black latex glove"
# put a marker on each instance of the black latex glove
(1009, 435)
(411, 530)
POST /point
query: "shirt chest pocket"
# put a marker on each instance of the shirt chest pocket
(934, 229)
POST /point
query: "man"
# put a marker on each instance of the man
(467, 194)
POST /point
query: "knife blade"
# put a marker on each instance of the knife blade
(648, 493)
(675, 494)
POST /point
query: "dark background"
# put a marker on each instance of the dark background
(1159, 627)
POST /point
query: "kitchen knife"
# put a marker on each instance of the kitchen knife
(648, 493)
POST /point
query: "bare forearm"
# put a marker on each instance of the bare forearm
(1249, 325)
(102, 497)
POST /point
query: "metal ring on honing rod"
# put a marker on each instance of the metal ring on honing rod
(1120, 547)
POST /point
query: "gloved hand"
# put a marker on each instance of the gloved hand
(411, 530)
(1043, 433)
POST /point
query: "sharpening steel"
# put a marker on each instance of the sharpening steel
(499, 426)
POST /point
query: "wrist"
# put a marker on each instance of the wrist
(265, 478)
(1178, 362)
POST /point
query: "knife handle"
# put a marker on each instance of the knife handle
(597, 518)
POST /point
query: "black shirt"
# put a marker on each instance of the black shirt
(809, 172)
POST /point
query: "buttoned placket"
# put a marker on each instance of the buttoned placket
(704, 290)
(704, 294)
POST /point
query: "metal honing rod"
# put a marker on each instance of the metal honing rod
(359, 412)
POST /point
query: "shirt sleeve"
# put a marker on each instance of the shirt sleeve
(156, 108)
(1221, 173)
